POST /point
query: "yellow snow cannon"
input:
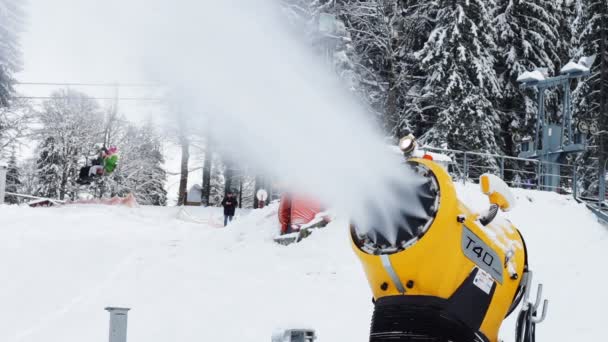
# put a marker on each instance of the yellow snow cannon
(444, 273)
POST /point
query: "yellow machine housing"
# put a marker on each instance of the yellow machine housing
(456, 276)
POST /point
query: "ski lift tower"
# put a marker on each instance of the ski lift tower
(557, 140)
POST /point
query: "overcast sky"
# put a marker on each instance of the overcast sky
(80, 41)
(76, 41)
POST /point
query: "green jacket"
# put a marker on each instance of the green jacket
(109, 164)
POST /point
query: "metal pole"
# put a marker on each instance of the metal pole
(602, 175)
(539, 171)
(118, 324)
(564, 115)
(541, 116)
(466, 169)
(3, 171)
(502, 168)
(574, 181)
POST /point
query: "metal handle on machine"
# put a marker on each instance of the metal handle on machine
(527, 284)
(528, 317)
(536, 319)
(539, 293)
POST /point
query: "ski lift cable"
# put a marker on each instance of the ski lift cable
(79, 84)
(144, 99)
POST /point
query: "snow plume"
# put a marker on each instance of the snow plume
(272, 104)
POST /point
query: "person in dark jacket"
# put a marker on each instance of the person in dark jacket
(229, 203)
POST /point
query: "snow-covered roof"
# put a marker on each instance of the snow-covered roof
(195, 193)
(530, 76)
(573, 67)
(43, 200)
(587, 61)
(196, 187)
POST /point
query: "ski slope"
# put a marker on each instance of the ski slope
(187, 280)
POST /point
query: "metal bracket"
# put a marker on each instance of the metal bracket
(539, 294)
(386, 262)
(528, 317)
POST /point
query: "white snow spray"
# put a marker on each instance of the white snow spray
(272, 104)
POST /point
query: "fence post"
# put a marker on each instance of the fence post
(118, 324)
(502, 168)
(466, 169)
(602, 193)
(539, 171)
(3, 171)
(574, 181)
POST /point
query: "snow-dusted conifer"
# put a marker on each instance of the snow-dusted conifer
(140, 166)
(462, 83)
(379, 46)
(71, 125)
(13, 178)
(528, 37)
(48, 168)
(591, 94)
(11, 24)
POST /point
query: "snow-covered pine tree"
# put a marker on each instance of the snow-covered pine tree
(13, 178)
(419, 22)
(528, 37)
(28, 176)
(591, 95)
(15, 122)
(48, 168)
(462, 82)
(217, 182)
(71, 125)
(11, 24)
(567, 15)
(379, 46)
(140, 167)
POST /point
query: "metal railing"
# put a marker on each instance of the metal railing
(517, 172)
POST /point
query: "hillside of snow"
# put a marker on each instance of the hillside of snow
(186, 279)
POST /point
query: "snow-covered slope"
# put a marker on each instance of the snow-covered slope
(187, 280)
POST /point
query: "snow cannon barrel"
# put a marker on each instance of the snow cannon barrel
(445, 276)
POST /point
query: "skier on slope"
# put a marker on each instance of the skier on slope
(105, 164)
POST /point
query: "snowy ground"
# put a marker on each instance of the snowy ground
(189, 281)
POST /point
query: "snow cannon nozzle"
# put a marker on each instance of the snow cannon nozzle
(385, 232)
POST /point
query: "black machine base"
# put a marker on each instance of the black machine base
(418, 319)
